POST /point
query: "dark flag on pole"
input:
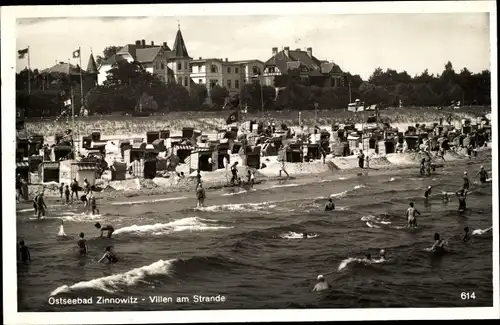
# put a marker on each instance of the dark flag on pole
(233, 118)
(22, 53)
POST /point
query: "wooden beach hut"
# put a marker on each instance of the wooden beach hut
(182, 151)
(164, 134)
(84, 170)
(137, 152)
(49, 171)
(204, 159)
(22, 169)
(250, 156)
(151, 136)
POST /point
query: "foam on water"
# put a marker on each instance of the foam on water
(359, 186)
(185, 224)
(350, 260)
(481, 231)
(61, 232)
(149, 201)
(115, 283)
(235, 193)
(248, 207)
(296, 235)
(285, 185)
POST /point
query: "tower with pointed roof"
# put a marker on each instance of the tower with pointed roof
(180, 61)
(92, 71)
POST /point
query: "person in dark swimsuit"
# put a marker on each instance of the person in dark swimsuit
(24, 253)
(109, 255)
(467, 234)
(483, 175)
(107, 228)
(438, 246)
(466, 181)
(428, 192)
(462, 197)
(82, 245)
(330, 206)
(35, 205)
(67, 193)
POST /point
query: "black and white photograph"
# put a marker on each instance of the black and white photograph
(270, 162)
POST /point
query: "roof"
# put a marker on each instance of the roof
(113, 59)
(184, 147)
(22, 164)
(64, 68)
(92, 66)
(280, 60)
(245, 61)
(147, 55)
(85, 166)
(50, 165)
(179, 50)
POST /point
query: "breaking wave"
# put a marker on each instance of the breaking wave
(185, 224)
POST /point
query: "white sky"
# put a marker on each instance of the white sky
(358, 43)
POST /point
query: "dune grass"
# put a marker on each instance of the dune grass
(212, 121)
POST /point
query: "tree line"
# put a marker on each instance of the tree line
(128, 83)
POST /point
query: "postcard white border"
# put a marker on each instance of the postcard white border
(8, 51)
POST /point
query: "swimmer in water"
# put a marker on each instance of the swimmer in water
(109, 255)
(446, 199)
(24, 253)
(428, 192)
(483, 175)
(322, 284)
(382, 255)
(411, 213)
(304, 235)
(82, 245)
(330, 206)
(368, 257)
(466, 181)
(107, 228)
(467, 234)
(438, 246)
(462, 197)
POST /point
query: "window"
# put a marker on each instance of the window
(229, 84)
(213, 68)
(255, 70)
(163, 66)
(228, 69)
(186, 81)
(237, 84)
(200, 81)
(213, 83)
(179, 66)
(185, 65)
(236, 70)
(272, 70)
(179, 80)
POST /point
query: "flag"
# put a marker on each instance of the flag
(22, 53)
(76, 54)
(233, 117)
(67, 102)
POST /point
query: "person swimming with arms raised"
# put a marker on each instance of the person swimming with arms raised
(428, 192)
(411, 213)
(82, 245)
(109, 255)
(322, 285)
(330, 206)
(107, 228)
(483, 175)
(438, 246)
(462, 198)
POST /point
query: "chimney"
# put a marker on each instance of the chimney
(143, 42)
(137, 42)
(310, 51)
(275, 51)
(287, 51)
(152, 43)
(199, 58)
(164, 44)
(226, 59)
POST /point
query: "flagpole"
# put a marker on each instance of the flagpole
(81, 76)
(73, 115)
(29, 72)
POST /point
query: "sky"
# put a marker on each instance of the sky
(357, 43)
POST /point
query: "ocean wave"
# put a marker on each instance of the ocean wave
(116, 282)
(185, 224)
(296, 235)
(246, 207)
(481, 231)
(350, 260)
(149, 201)
(359, 186)
(239, 192)
(285, 185)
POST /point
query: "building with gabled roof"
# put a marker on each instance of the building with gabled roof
(302, 65)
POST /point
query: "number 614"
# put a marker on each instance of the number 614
(468, 295)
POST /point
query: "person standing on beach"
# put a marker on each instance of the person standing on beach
(361, 159)
(234, 172)
(74, 188)
(483, 175)
(19, 188)
(200, 196)
(67, 193)
(198, 177)
(411, 213)
(93, 204)
(40, 205)
(61, 190)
